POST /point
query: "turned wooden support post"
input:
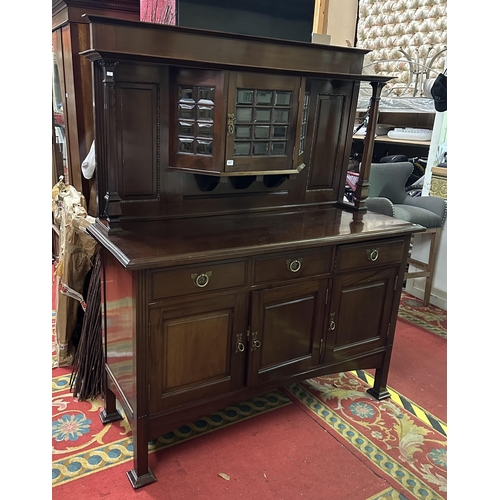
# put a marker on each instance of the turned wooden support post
(112, 200)
(361, 192)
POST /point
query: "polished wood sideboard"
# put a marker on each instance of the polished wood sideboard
(231, 264)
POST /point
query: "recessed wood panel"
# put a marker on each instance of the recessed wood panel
(195, 349)
(285, 328)
(137, 138)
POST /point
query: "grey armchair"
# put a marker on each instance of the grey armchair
(387, 195)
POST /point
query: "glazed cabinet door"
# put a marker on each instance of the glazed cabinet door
(285, 331)
(197, 350)
(360, 312)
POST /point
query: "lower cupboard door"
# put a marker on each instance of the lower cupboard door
(196, 351)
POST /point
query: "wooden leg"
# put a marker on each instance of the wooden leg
(110, 413)
(141, 474)
(379, 390)
(431, 266)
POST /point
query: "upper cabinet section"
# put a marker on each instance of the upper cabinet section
(235, 123)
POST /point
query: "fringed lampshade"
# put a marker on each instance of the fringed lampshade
(159, 11)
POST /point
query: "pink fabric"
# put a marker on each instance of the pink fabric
(158, 11)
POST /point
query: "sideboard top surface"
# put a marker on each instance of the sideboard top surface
(147, 245)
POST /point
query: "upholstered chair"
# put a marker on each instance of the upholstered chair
(387, 195)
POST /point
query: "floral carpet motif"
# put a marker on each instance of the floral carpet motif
(392, 440)
(431, 318)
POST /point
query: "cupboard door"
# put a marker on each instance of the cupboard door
(360, 313)
(285, 331)
(262, 122)
(197, 111)
(197, 350)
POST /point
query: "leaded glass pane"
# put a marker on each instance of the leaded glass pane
(186, 145)
(206, 113)
(186, 94)
(244, 96)
(264, 97)
(283, 98)
(205, 130)
(186, 111)
(262, 115)
(279, 132)
(242, 148)
(278, 148)
(281, 115)
(186, 128)
(260, 148)
(243, 114)
(242, 131)
(204, 147)
(261, 131)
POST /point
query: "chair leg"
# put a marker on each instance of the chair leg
(435, 237)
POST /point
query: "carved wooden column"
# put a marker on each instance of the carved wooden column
(361, 192)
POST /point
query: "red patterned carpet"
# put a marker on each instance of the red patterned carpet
(325, 438)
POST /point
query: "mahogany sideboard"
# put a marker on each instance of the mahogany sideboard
(231, 264)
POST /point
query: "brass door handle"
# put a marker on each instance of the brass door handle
(294, 265)
(332, 322)
(240, 346)
(201, 280)
(255, 341)
(230, 124)
(372, 254)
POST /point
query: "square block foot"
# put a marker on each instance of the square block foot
(140, 481)
(107, 418)
(379, 395)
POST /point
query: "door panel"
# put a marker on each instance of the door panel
(360, 313)
(285, 331)
(194, 350)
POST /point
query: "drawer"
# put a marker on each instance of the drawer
(368, 255)
(199, 278)
(292, 265)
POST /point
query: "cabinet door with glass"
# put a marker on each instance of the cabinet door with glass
(235, 123)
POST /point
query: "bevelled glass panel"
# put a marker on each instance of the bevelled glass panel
(186, 111)
(261, 131)
(260, 149)
(186, 145)
(186, 94)
(262, 115)
(241, 148)
(281, 115)
(243, 114)
(283, 98)
(206, 113)
(302, 145)
(242, 131)
(280, 131)
(204, 147)
(206, 95)
(278, 148)
(264, 97)
(186, 128)
(205, 130)
(244, 96)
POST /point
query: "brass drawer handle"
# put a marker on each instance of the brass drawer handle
(201, 280)
(294, 265)
(372, 254)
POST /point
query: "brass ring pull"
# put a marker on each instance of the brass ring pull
(255, 341)
(230, 124)
(201, 280)
(332, 321)
(372, 254)
(240, 346)
(294, 265)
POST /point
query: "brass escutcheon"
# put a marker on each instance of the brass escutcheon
(230, 124)
(372, 254)
(294, 265)
(201, 280)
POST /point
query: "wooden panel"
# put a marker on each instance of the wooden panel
(137, 139)
(272, 268)
(358, 256)
(180, 281)
(183, 341)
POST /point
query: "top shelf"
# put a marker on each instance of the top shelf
(385, 138)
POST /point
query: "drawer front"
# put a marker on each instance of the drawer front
(200, 278)
(292, 265)
(368, 255)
